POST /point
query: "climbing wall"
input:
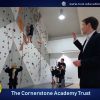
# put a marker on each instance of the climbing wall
(35, 62)
(24, 79)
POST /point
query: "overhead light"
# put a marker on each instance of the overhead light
(61, 16)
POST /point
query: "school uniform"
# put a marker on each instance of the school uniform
(13, 73)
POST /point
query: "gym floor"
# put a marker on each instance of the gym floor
(49, 85)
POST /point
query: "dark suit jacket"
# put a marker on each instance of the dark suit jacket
(89, 71)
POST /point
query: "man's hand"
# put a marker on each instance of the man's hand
(74, 36)
(77, 63)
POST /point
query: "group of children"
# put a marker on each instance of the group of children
(58, 74)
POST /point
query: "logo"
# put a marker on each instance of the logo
(0, 87)
(64, 3)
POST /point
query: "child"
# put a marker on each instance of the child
(53, 74)
(29, 30)
(57, 74)
(13, 73)
(61, 77)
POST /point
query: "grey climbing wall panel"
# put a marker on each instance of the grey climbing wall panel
(36, 69)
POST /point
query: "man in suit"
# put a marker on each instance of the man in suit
(88, 62)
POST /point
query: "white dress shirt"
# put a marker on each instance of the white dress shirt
(88, 38)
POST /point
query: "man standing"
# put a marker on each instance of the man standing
(62, 67)
(62, 63)
(89, 58)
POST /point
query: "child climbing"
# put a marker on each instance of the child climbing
(29, 34)
(13, 73)
(29, 31)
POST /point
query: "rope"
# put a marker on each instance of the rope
(39, 42)
(22, 55)
(9, 51)
(21, 71)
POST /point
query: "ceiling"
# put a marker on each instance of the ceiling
(56, 27)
